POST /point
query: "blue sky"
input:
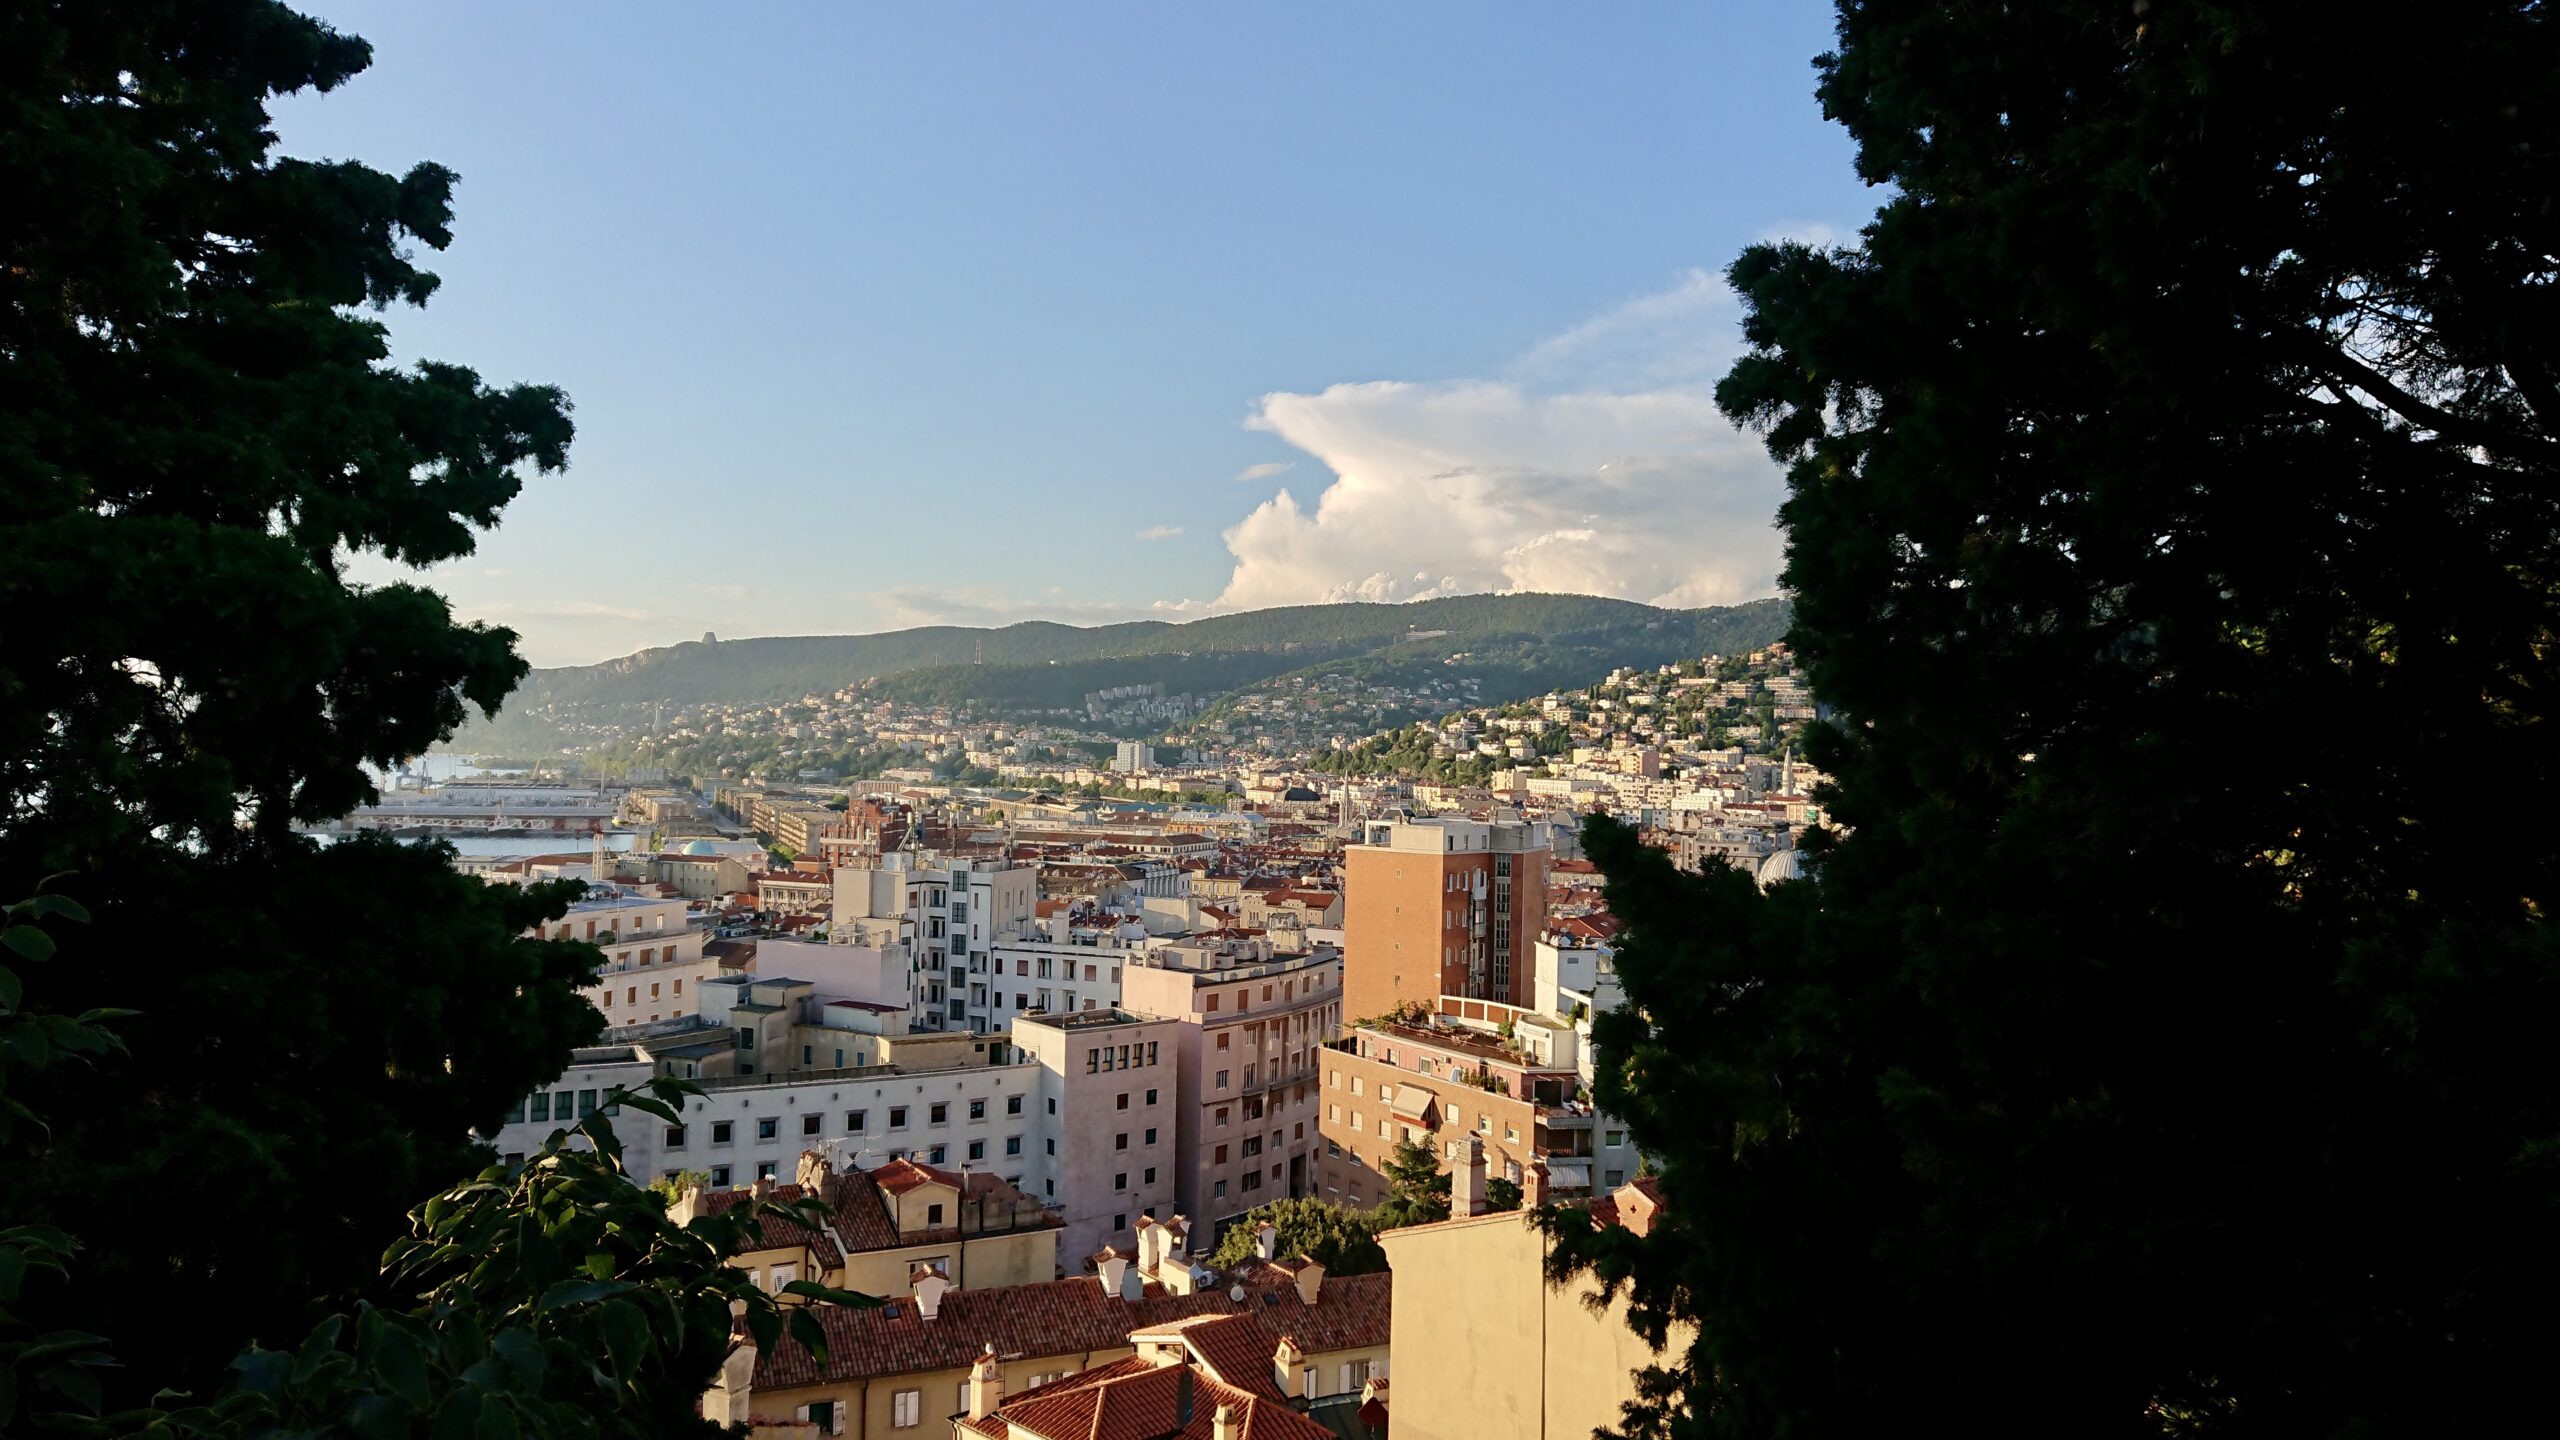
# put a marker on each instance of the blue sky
(880, 315)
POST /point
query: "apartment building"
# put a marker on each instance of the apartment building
(951, 918)
(1034, 973)
(877, 1227)
(1442, 906)
(1447, 1086)
(654, 965)
(1253, 1026)
(1107, 1153)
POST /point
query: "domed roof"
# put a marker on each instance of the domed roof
(699, 847)
(1785, 865)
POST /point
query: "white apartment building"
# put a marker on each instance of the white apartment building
(950, 919)
(1033, 974)
(1108, 1099)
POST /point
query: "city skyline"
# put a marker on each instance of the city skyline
(1361, 307)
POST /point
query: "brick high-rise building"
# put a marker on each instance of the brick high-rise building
(1442, 906)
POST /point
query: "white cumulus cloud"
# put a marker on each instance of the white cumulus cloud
(1263, 471)
(1598, 464)
(1159, 532)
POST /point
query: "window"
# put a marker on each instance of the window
(1052, 1144)
(719, 1132)
(1013, 1144)
(1614, 1178)
(1355, 1119)
(768, 1127)
(977, 1149)
(1222, 1115)
(941, 1112)
(1013, 1104)
(1151, 1095)
(675, 1137)
(1218, 1191)
(1120, 1181)
(1223, 1037)
(1220, 1158)
(977, 1109)
(1124, 1101)
(765, 1169)
(933, 1216)
(810, 1123)
(906, 1408)
(1092, 1058)
(1151, 1175)
(1212, 1005)
(856, 1121)
(1222, 1079)
(822, 1415)
(1253, 1181)
(1253, 1144)
(897, 1117)
(1120, 1222)
(1151, 1135)
(940, 1154)
(720, 1176)
(1120, 1141)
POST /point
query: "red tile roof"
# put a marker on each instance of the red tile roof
(1059, 1317)
(1142, 1402)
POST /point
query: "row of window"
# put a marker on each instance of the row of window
(1244, 995)
(562, 1105)
(856, 1122)
(1121, 1057)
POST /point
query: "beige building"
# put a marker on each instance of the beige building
(1109, 1100)
(654, 962)
(971, 1228)
(1254, 1028)
(1490, 1350)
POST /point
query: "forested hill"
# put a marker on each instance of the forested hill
(1234, 646)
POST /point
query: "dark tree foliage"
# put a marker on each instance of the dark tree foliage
(201, 426)
(2163, 1042)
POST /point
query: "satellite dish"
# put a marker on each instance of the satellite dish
(1235, 1292)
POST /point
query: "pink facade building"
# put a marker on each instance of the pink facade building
(1254, 1028)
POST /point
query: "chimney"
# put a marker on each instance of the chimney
(1111, 1267)
(986, 1384)
(814, 1173)
(1224, 1426)
(763, 1187)
(1150, 1245)
(1533, 1185)
(687, 1207)
(1467, 1193)
(1266, 1239)
(929, 1285)
(1310, 1278)
(1284, 1365)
